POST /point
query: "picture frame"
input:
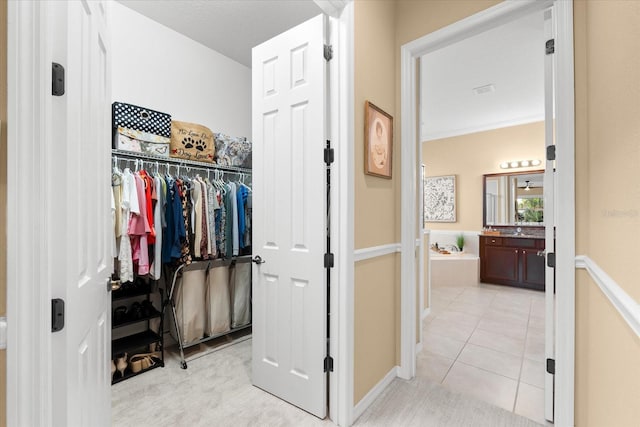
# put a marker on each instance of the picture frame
(378, 141)
(440, 198)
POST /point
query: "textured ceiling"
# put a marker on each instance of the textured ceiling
(231, 27)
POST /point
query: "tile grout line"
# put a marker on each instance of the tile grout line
(523, 354)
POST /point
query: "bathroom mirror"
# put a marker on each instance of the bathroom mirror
(514, 198)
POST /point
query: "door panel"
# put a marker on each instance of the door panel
(549, 215)
(81, 231)
(289, 294)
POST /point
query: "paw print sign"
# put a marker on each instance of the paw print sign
(191, 141)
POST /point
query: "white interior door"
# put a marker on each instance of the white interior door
(549, 216)
(80, 224)
(289, 208)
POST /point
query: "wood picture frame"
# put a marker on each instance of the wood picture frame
(378, 141)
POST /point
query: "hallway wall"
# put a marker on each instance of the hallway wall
(607, 66)
(376, 287)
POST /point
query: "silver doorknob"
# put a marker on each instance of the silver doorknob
(258, 260)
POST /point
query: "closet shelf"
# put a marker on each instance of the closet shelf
(178, 162)
(126, 293)
(133, 322)
(131, 342)
(128, 373)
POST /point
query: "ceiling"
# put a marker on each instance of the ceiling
(230, 27)
(509, 57)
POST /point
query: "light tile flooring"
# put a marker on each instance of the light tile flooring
(487, 341)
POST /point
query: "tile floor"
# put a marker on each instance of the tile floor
(487, 341)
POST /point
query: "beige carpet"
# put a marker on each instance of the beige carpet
(421, 402)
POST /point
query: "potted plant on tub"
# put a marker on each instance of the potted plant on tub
(460, 242)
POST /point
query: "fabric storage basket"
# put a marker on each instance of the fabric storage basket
(218, 300)
(134, 117)
(241, 293)
(232, 151)
(142, 142)
(191, 310)
(191, 141)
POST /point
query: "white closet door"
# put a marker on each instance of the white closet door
(80, 229)
(289, 288)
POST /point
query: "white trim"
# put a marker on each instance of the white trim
(373, 394)
(29, 370)
(482, 128)
(344, 359)
(565, 231)
(410, 52)
(426, 312)
(419, 347)
(375, 251)
(628, 308)
(332, 8)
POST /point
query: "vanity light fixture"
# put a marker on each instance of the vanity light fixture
(519, 164)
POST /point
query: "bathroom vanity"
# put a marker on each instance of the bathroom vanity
(513, 254)
(513, 261)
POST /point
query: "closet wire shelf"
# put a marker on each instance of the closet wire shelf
(173, 161)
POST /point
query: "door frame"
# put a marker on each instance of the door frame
(29, 369)
(412, 157)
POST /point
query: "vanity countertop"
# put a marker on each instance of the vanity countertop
(516, 236)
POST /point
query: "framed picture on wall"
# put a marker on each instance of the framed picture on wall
(440, 198)
(378, 141)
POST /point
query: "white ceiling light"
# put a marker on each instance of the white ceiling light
(519, 164)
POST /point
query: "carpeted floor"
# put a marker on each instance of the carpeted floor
(421, 402)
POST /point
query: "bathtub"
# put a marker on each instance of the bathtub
(456, 269)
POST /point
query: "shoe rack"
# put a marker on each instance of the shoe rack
(135, 346)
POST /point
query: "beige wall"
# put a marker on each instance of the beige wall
(607, 53)
(376, 287)
(3, 199)
(375, 327)
(473, 155)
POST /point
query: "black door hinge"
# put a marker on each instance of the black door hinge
(550, 46)
(328, 364)
(328, 260)
(329, 155)
(328, 52)
(551, 152)
(57, 314)
(57, 79)
(551, 366)
(551, 259)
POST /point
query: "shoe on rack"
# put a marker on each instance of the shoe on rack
(121, 363)
(120, 315)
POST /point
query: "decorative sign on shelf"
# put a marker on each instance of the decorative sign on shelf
(440, 198)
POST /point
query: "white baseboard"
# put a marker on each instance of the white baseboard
(368, 399)
(426, 312)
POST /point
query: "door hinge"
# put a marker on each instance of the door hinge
(328, 52)
(3, 333)
(328, 364)
(551, 259)
(551, 152)
(328, 260)
(57, 314)
(551, 366)
(57, 79)
(550, 46)
(329, 155)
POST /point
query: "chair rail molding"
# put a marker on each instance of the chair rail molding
(628, 308)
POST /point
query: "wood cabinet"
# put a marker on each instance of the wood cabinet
(512, 261)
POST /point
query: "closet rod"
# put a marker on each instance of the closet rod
(178, 162)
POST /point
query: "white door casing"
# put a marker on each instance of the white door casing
(81, 228)
(289, 208)
(549, 216)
